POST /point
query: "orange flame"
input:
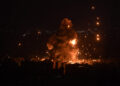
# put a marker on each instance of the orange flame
(73, 42)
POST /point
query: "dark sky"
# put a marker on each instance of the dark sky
(48, 13)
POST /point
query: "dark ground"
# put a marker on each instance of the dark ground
(42, 74)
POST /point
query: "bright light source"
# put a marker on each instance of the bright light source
(73, 42)
(68, 26)
(98, 37)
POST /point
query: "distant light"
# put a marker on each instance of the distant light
(82, 46)
(50, 47)
(86, 54)
(38, 32)
(98, 18)
(19, 44)
(24, 35)
(85, 36)
(98, 23)
(92, 7)
(9, 57)
(43, 59)
(89, 45)
(68, 26)
(97, 37)
(94, 49)
(100, 56)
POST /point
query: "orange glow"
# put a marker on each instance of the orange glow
(85, 36)
(93, 8)
(19, 44)
(50, 47)
(19, 60)
(98, 37)
(43, 59)
(98, 23)
(38, 32)
(73, 42)
(68, 26)
(98, 18)
(85, 61)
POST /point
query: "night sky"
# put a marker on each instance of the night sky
(49, 13)
(20, 15)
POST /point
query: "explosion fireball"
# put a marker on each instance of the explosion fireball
(62, 45)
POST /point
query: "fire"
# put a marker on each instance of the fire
(63, 47)
(73, 42)
(66, 24)
(85, 61)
